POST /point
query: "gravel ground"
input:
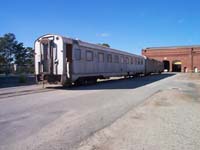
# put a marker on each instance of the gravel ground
(168, 120)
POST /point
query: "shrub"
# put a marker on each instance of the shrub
(22, 79)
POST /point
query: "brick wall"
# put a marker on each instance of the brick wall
(188, 56)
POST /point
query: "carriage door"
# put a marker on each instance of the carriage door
(69, 59)
(47, 56)
(44, 57)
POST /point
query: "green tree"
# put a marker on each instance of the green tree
(104, 44)
(7, 48)
(20, 54)
(23, 55)
(30, 55)
(13, 52)
(24, 58)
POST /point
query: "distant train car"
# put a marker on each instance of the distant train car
(153, 66)
(67, 61)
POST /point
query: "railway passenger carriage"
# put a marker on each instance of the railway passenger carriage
(66, 61)
(153, 66)
(69, 61)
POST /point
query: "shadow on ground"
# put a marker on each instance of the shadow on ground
(123, 83)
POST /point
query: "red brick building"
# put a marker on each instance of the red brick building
(176, 59)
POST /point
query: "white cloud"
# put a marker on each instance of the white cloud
(103, 35)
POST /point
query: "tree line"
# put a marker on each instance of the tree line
(15, 53)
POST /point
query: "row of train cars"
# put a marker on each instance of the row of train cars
(67, 61)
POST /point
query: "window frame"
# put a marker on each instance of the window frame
(132, 60)
(109, 58)
(116, 58)
(142, 61)
(92, 55)
(127, 60)
(75, 54)
(100, 53)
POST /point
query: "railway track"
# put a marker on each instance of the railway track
(24, 92)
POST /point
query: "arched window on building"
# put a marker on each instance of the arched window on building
(176, 66)
(166, 65)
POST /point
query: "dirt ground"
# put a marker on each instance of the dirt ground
(168, 120)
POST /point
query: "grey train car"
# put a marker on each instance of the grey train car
(153, 66)
(67, 61)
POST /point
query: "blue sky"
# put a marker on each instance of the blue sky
(129, 25)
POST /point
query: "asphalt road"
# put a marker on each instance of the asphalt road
(58, 118)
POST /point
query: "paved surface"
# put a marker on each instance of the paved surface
(168, 120)
(59, 118)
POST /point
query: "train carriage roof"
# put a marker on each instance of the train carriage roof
(90, 45)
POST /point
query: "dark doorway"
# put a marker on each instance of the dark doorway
(69, 58)
(69, 52)
(185, 69)
(176, 66)
(166, 65)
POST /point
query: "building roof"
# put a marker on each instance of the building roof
(173, 47)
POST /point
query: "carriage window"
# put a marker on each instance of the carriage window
(116, 59)
(77, 54)
(109, 58)
(89, 55)
(101, 57)
(136, 59)
(124, 60)
(121, 59)
(141, 61)
(45, 51)
(127, 60)
(131, 60)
